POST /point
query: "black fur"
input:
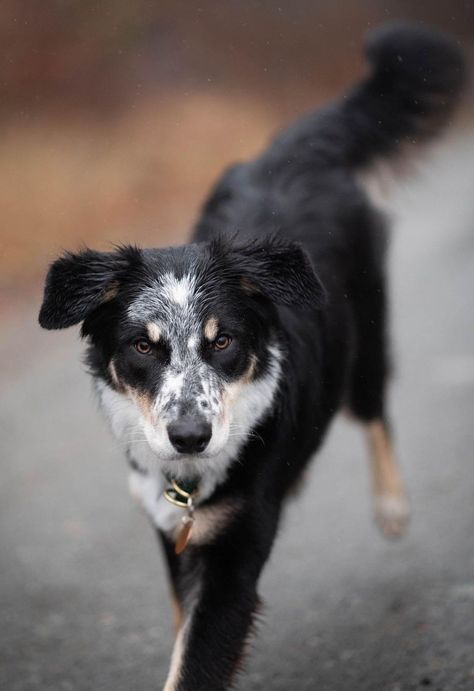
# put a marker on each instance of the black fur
(301, 192)
(77, 284)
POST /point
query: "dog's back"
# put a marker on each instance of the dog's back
(305, 185)
(309, 186)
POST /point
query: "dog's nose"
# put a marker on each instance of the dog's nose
(189, 436)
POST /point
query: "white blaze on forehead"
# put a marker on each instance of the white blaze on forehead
(154, 332)
(168, 296)
(178, 290)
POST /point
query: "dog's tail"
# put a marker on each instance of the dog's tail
(416, 79)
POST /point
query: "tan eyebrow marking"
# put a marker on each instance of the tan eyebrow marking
(211, 328)
(154, 332)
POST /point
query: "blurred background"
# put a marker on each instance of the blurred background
(115, 119)
(116, 116)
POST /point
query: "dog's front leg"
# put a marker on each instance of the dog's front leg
(209, 644)
(218, 617)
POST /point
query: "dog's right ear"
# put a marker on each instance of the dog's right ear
(77, 284)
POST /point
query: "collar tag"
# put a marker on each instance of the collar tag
(184, 498)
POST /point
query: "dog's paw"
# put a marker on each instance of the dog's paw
(392, 514)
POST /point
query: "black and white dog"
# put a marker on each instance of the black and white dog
(220, 364)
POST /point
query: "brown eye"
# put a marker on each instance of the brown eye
(142, 346)
(222, 342)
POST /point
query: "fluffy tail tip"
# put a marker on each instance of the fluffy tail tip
(419, 63)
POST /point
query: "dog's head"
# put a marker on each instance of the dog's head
(187, 335)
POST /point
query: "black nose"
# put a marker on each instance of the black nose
(189, 436)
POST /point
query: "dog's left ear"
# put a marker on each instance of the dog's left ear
(281, 270)
(77, 284)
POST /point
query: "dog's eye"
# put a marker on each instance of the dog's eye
(142, 346)
(222, 342)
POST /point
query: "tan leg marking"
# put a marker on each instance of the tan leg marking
(176, 659)
(211, 328)
(391, 504)
(174, 674)
(177, 613)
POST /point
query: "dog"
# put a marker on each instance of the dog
(220, 364)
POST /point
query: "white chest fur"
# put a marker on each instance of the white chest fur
(208, 521)
(148, 491)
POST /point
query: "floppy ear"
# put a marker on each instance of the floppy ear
(281, 270)
(77, 284)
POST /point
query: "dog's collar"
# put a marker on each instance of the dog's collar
(182, 493)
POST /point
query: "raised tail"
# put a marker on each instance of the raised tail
(417, 77)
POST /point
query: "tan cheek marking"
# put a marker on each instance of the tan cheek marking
(247, 376)
(211, 328)
(229, 396)
(232, 391)
(143, 402)
(116, 381)
(154, 332)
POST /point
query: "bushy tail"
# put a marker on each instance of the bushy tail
(416, 79)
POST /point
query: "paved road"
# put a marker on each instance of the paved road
(83, 598)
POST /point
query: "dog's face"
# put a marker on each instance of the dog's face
(188, 336)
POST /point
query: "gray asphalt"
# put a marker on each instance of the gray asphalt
(83, 596)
